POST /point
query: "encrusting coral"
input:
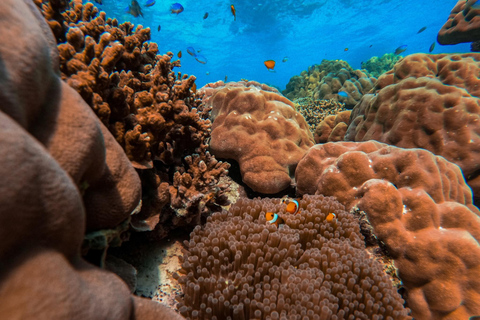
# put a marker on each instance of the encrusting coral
(430, 102)
(62, 173)
(262, 131)
(419, 206)
(239, 266)
(326, 80)
(152, 111)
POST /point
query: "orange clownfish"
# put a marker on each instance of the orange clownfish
(270, 64)
(330, 217)
(273, 218)
(233, 12)
(293, 206)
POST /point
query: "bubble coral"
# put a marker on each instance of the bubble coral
(239, 266)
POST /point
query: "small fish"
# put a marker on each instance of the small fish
(432, 46)
(330, 217)
(194, 88)
(179, 54)
(370, 45)
(270, 64)
(273, 218)
(207, 73)
(346, 49)
(205, 16)
(343, 94)
(191, 51)
(149, 3)
(159, 28)
(285, 59)
(226, 78)
(293, 206)
(401, 49)
(201, 59)
(176, 8)
(134, 9)
(234, 12)
(99, 1)
(421, 30)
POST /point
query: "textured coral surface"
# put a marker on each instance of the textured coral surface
(463, 24)
(421, 208)
(333, 127)
(315, 111)
(240, 266)
(262, 132)
(54, 150)
(429, 102)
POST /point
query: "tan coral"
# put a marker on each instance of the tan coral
(262, 132)
(333, 127)
(463, 24)
(430, 102)
(420, 206)
(62, 174)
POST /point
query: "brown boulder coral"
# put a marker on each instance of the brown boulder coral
(419, 206)
(429, 102)
(240, 266)
(333, 127)
(151, 111)
(262, 132)
(53, 150)
(463, 24)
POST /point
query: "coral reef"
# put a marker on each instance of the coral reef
(326, 80)
(240, 266)
(463, 24)
(377, 66)
(62, 173)
(419, 206)
(429, 102)
(332, 128)
(315, 111)
(152, 112)
(261, 131)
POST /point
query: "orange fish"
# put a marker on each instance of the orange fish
(270, 64)
(346, 49)
(233, 12)
(293, 206)
(330, 217)
(179, 54)
(273, 218)
(194, 88)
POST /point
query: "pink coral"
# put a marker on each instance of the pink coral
(420, 206)
(262, 132)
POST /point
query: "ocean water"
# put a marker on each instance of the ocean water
(304, 31)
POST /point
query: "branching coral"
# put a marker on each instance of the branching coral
(151, 110)
(240, 266)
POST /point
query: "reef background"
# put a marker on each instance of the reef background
(305, 31)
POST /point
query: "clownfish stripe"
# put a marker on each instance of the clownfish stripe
(274, 219)
(292, 206)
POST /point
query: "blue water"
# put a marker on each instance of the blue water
(305, 31)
